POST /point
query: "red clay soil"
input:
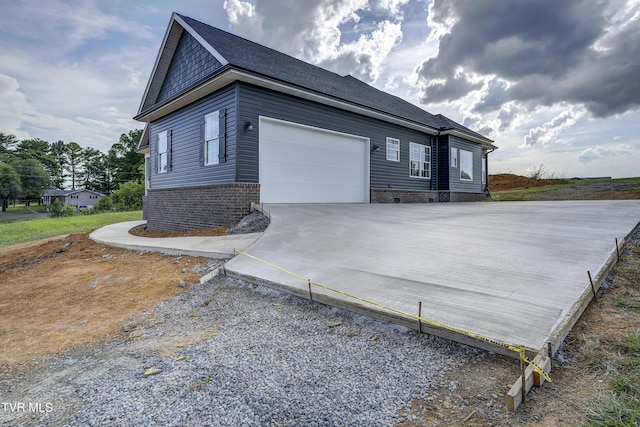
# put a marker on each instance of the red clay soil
(508, 181)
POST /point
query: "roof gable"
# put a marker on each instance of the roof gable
(162, 83)
(191, 63)
(240, 55)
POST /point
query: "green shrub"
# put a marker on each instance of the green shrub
(58, 210)
(129, 196)
(103, 205)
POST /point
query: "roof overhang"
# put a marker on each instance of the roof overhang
(143, 144)
(231, 75)
(486, 143)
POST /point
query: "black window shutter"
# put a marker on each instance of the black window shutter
(169, 150)
(201, 144)
(222, 151)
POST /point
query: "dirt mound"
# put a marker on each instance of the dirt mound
(508, 181)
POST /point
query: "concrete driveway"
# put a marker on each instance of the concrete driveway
(513, 272)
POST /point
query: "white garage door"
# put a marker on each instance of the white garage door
(301, 164)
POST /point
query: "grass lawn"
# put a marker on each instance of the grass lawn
(631, 190)
(13, 233)
(21, 209)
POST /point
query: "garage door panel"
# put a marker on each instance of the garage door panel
(299, 164)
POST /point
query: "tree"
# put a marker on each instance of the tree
(33, 179)
(58, 151)
(9, 185)
(126, 159)
(96, 174)
(7, 141)
(39, 150)
(74, 162)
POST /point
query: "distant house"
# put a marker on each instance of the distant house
(79, 199)
(230, 122)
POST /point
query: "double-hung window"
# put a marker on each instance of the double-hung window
(393, 149)
(163, 152)
(419, 161)
(212, 138)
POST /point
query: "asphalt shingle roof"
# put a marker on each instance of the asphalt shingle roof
(255, 58)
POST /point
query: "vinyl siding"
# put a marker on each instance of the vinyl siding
(255, 102)
(186, 142)
(190, 64)
(455, 183)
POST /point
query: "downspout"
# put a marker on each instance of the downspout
(486, 188)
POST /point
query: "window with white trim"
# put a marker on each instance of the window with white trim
(484, 170)
(466, 165)
(419, 161)
(454, 157)
(212, 138)
(163, 152)
(393, 149)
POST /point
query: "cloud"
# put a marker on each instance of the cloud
(549, 130)
(536, 53)
(599, 152)
(316, 34)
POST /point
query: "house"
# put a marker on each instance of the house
(230, 122)
(79, 199)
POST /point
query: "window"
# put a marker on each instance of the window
(484, 170)
(212, 138)
(163, 152)
(393, 149)
(466, 165)
(454, 157)
(419, 161)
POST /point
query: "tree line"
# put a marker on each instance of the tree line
(30, 166)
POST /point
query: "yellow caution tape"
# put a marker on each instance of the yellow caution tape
(520, 350)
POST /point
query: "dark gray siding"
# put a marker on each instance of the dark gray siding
(255, 102)
(187, 141)
(443, 162)
(455, 183)
(191, 62)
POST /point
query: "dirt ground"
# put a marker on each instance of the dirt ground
(508, 181)
(69, 291)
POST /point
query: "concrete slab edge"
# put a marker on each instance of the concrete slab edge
(380, 314)
(559, 334)
(166, 251)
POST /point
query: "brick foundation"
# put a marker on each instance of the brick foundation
(466, 197)
(191, 208)
(393, 195)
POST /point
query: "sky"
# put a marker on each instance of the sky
(554, 83)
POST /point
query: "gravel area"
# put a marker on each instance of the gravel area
(231, 354)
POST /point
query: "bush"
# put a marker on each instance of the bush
(103, 205)
(129, 196)
(58, 211)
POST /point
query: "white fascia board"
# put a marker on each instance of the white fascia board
(202, 41)
(235, 75)
(455, 132)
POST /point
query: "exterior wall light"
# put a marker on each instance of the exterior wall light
(248, 126)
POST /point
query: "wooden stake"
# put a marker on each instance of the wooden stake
(419, 316)
(617, 250)
(593, 288)
(524, 381)
(310, 295)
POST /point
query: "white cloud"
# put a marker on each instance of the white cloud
(549, 130)
(599, 152)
